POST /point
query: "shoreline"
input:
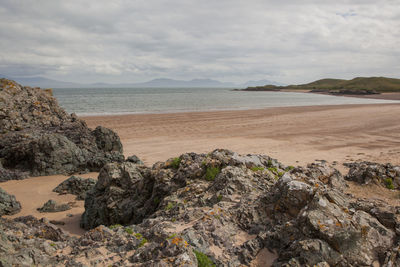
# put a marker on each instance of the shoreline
(381, 96)
(84, 116)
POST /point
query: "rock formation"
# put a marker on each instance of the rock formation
(220, 209)
(8, 204)
(75, 185)
(53, 206)
(249, 204)
(386, 175)
(6, 175)
(39, 137)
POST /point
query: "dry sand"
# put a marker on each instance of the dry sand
(293, 135)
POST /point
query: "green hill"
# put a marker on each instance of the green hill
(378, 84)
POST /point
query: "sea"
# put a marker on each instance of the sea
(115, 101)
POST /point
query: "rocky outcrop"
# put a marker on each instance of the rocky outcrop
(128, 192)
(75, 185)
(221, 209)
(27, 241)
(314, 223)
(39, 137)
(386, 175)
(53, 206)
(231, 207)
(8, 204)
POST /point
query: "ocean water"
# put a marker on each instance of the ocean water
(107, 101)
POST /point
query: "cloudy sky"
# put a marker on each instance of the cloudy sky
(236, 40)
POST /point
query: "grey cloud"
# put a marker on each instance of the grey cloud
(126, 41)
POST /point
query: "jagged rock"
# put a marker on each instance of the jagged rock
(106, 139)
(127, 193)
(134, 159)
(76, 186)
(215, 195)
(26, 241)
(8, 204)
(53, 206)
(365, 172)
(222, 208)
(45, 154)
(6, 175)
(326, 227)
(386, 215)
(39, 137)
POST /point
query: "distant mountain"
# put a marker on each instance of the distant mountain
(162, 82)
(42, 82)
(378, 84)
(260, 83)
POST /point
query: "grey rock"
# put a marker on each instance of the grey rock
(385, 214)
(75, 185)
(322, 223)
(365, 172)
(8, 204)
(311, 252)
(53, 206)
(178, 209)
(6, 175)
(39, 137)
(134, 159)
(107, 140)
(122, 194)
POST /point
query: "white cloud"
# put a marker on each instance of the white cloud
(120, 41)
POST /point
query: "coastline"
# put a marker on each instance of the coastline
(293, 135)
(381, 96)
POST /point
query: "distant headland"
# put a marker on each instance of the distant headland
(356, 86)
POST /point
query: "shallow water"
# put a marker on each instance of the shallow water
(103, 101)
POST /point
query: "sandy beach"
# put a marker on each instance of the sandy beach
(293, 135)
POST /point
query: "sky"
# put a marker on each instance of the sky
(120, 41)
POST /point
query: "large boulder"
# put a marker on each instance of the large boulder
(39, 137)
(122, 194)
(106, 140)
(44, 154)
(8, 204)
